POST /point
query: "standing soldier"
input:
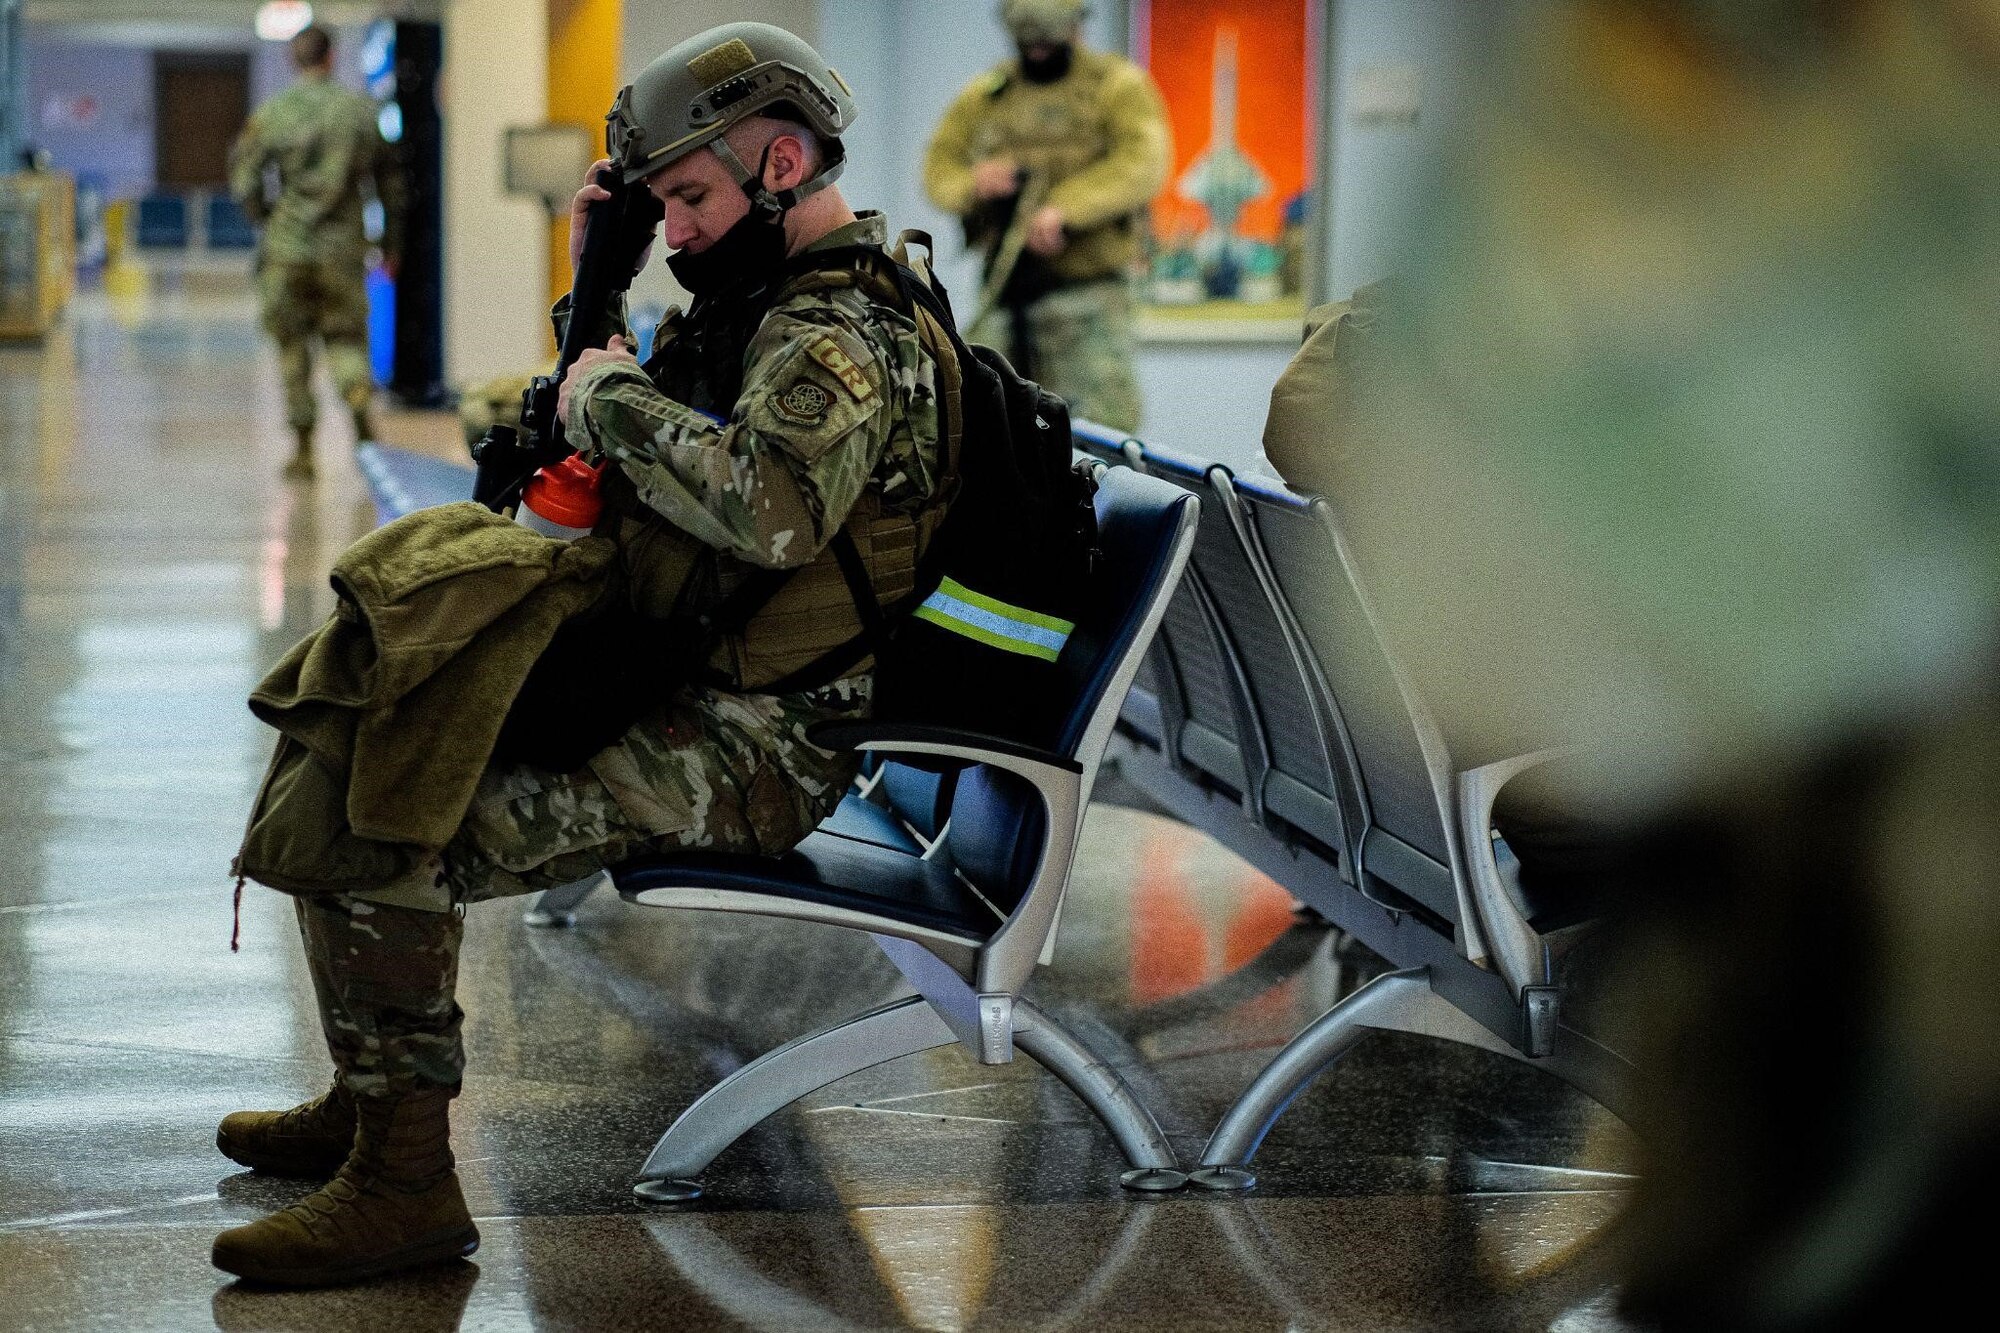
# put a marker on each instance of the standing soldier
(1050, 159)
(788, 422)
(321, 143)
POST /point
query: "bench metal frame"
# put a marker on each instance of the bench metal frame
(968, 991)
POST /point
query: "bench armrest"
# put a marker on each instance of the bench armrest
(943, 742)
(1009, 958)
(1515, 945)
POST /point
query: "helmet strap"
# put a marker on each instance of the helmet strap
(777, 202)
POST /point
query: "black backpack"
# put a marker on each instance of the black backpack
(1007, 575)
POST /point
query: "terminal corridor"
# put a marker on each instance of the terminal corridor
(153, 563)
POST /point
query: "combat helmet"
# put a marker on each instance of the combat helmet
(688, 97)
(1051, 21)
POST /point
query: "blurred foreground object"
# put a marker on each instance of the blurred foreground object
(1689, 455)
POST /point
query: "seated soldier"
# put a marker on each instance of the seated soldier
(777, 412)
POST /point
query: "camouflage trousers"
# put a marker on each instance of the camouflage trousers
(327, 300)
(727, 772)
(1080, 349)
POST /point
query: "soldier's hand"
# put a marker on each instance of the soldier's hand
(579, 207)
(1045, 232)
(615, 350)
(996, 178)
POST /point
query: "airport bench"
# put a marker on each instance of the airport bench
(967, 937)
(1272, 716)
(226, 226)
(163, 222)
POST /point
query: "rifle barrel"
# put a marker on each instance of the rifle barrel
(597, 279)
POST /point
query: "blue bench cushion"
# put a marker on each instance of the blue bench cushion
(163, 222)
(228, 227)
(861, 820)
(834, 872)
(920, 797)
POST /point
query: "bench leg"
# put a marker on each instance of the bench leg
(1396, 1002)
(1155, 1168)
(775, 1080)
(556, 908)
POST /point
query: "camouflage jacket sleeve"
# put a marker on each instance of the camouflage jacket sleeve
(1134, 167)
(774, 482)
(948, 159)
(247, 159)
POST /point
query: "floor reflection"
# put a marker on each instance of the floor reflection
(431, 1301)
(1176, 1263)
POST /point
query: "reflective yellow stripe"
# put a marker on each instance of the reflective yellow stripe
(997, 624)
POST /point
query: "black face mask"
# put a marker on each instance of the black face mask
(1047, 70)
(748, 252)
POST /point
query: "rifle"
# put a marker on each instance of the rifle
(1012, 243)
(616, 232)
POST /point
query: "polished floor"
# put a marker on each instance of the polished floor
(152, 563)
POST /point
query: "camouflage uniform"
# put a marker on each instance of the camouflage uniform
(837, 402)
(1094, 145)
(322, 141)
(1080, 348)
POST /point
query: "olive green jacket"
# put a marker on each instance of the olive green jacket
(389, 712)
(1094, 144)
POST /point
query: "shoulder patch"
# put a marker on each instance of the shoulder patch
(804, 403)
(828, 353)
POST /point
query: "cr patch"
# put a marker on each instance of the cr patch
(827, 352)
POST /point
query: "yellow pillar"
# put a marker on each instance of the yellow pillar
(583, 78)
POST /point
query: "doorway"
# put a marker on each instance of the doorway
(200, 103)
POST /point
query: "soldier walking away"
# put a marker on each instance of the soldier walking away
(319, 145)
(1050, 159)
(790, 406)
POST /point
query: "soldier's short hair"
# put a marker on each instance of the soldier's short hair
(783, 118)
(312, 47)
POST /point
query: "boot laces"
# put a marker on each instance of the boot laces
(329, 1208)
(311, 1119)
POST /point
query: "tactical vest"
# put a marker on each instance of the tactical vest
(669, 575)
(1055, 131)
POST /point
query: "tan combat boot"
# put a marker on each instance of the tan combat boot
(394, 1205)
(309, 1141)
